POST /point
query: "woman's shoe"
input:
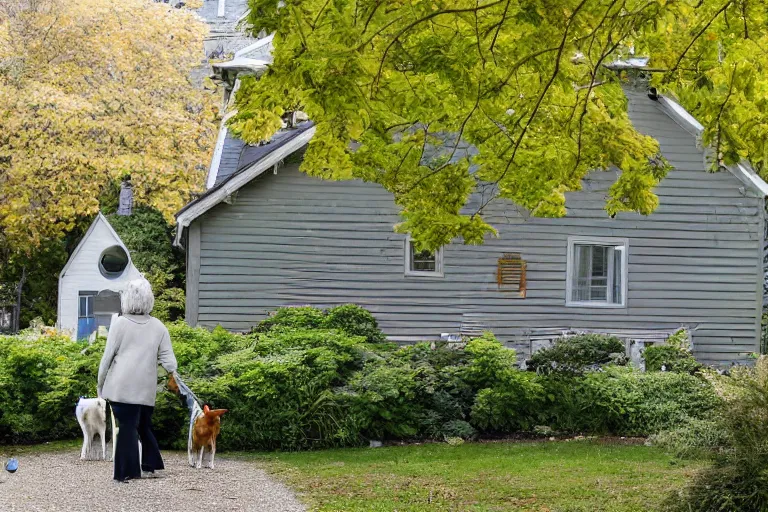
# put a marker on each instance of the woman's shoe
(150, 474)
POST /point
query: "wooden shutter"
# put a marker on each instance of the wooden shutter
(510, 274)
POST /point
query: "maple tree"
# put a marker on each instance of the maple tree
(524, 81)
(92, 90)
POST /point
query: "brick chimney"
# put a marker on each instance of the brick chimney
(125, 206)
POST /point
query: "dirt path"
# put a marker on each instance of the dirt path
(60, 481)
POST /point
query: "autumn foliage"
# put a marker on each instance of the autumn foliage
(90, 91)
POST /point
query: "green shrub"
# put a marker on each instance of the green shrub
(626, 401)
(302, 317)
(421, 392)
(383, 398)
(41, 379)
(457, 428)
(575, 354)
(738, 479)
(489, 362)
(674, 356)
(695, 438)
(296, 388)
(724, 487)
(355, 321)
(279, 389)
(348, 318)
(514, 403)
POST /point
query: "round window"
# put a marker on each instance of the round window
(113, 262)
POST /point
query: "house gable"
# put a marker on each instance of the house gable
(82, 272)
(101, 230)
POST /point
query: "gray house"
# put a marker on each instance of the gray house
(265, 235)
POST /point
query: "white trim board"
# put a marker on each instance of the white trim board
(218, 195)
(213, 170)
(255, 46)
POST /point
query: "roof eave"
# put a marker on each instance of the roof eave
(742, 170)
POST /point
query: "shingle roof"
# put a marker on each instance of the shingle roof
(237, 156)
(230, 156)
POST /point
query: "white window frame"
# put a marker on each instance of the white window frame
(438, 272)
(570, 272)
(90, 297)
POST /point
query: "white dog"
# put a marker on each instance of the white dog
(92, 416)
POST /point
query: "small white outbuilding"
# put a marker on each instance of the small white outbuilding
(90, 282)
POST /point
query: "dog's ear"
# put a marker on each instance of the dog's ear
(217, 412)
(206, 410)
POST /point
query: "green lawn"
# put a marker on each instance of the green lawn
(540, 476)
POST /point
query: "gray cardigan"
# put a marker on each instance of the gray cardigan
(128, 370)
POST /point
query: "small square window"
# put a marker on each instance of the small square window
(597, 272)
(422, 263)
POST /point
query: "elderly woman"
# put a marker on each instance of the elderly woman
(136, 344)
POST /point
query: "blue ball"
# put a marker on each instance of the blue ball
(12, 465)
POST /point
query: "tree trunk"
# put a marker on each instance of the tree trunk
(17, 311)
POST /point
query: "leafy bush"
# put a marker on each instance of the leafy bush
(458, 428)
(41, 378)
(348, 318)
(489, 362)
(295, 388)
(420, 392)
(694, 438)
(355, 321)
(511, 405)
(674, 356)
(575, 354)
(738, 479)
(303, 317)
(383, 397)
(626, 401)
(725, 486)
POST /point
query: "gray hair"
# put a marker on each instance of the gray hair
(137, 298)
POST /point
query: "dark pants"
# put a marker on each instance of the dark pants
(135, 423)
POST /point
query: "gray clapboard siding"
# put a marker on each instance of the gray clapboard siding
(290, 239)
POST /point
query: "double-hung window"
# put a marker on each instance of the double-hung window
(597, 272)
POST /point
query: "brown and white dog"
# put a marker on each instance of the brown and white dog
(204, 424)
(206, 429)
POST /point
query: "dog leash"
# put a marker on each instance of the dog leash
(185, 391)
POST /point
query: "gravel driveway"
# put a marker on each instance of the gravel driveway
(60, 481)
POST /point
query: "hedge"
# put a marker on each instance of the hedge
(312, 379)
